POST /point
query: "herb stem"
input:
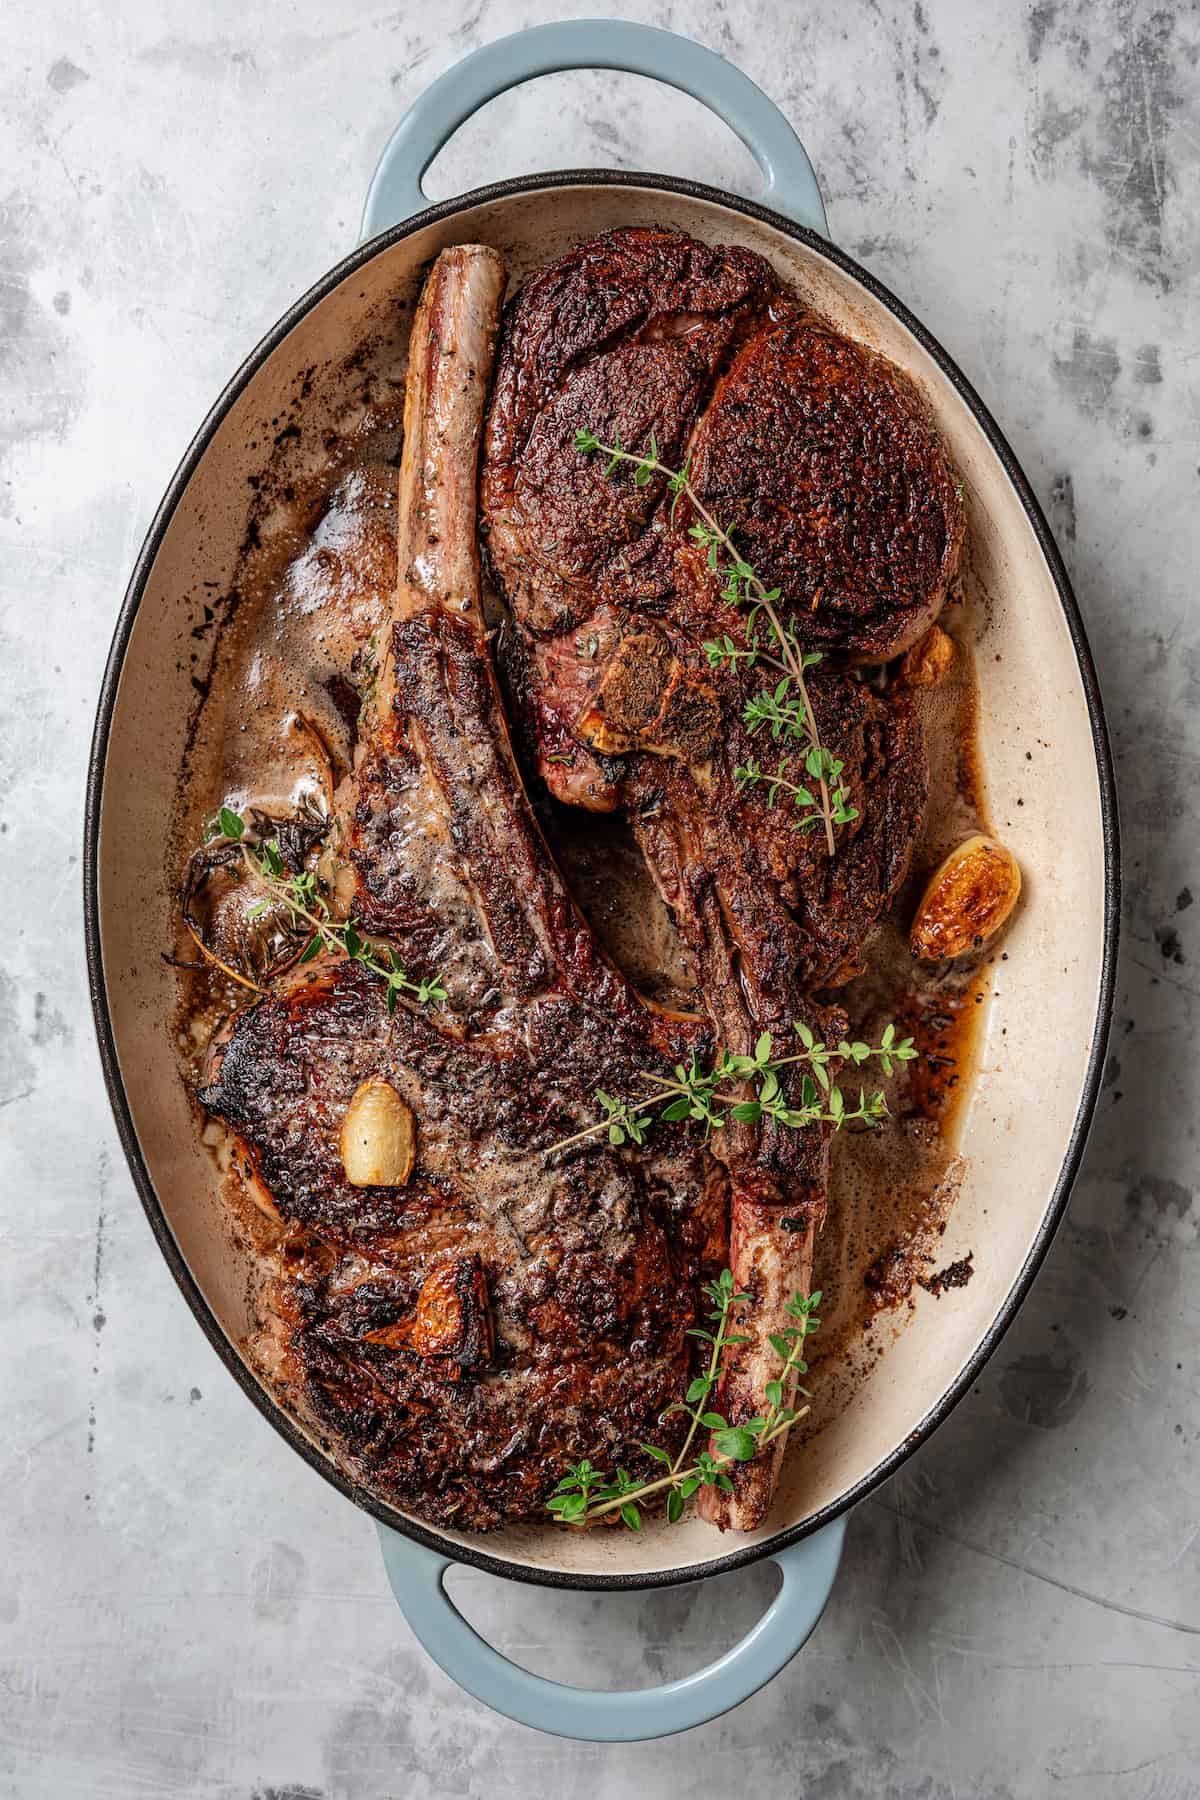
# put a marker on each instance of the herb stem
(695, 1094)
(589, 1131)
(712, 1373)
(283, 890)
(212, 957)
(793, 663)
(672, 1480)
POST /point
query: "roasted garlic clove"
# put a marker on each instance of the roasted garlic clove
(379, 1137)
(451, 1319)
(929, 659)
(967, 901)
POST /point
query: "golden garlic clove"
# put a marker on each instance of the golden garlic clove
(379, 1136)
(967, 901)
(451, 1319)
(929, 659)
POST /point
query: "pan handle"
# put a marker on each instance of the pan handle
(790, 184)
(417, 1577)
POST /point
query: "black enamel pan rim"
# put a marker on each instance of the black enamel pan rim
(474, 1553)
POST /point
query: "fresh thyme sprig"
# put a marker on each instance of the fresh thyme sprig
(820, 766)
(787, 709)
(699, 1094)
(303, 899)
(585, 1493)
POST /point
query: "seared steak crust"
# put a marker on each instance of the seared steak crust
(481, 1451)
(625, 334)
(591, 1266)
(818, 454)
(799, 917)
(464, 1336)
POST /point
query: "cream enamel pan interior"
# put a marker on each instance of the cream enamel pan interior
(1042, 740)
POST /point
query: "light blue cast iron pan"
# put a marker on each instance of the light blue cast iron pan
(944, 1353)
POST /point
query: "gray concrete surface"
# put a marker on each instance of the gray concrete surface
(184, 1608)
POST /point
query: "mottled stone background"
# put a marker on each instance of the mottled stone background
(187, 1610)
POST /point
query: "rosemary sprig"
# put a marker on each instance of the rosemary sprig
(585, 1493)
(787, 709)
(699, 1094)
(302, 897)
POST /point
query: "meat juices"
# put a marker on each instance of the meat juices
(817, 453)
